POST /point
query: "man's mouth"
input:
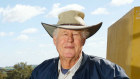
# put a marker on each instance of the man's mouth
(69, 47)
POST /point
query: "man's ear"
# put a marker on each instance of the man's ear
(83, 41)
(54, 40)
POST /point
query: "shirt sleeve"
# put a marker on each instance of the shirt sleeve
(119, 73)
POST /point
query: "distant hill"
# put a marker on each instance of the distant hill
(12, 68)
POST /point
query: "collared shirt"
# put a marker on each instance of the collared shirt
(71, 71)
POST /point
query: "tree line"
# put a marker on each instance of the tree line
(20, 71)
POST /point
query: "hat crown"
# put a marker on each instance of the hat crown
(71, 17)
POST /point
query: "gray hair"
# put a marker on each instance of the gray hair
(84, 33)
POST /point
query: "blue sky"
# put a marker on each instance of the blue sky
(23, 39)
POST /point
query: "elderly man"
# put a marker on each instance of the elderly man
(69, 36)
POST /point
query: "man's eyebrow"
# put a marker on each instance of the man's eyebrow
(64, 31)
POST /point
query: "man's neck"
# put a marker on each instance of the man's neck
(68, 63)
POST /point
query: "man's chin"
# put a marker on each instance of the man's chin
(68, 55)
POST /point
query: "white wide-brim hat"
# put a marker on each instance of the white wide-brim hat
(72, 20)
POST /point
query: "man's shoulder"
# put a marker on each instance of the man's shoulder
(106, 67)
(101, 62)
(45, 69)
(47, 63)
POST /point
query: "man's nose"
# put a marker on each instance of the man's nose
(70, 38)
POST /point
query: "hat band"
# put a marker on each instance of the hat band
(73, 24)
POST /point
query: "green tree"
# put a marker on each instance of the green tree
(21, 71)
(3, 74)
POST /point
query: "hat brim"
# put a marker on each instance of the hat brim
(91, 29)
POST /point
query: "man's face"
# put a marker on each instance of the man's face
(69, 43)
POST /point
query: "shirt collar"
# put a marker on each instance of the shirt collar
(74, 68)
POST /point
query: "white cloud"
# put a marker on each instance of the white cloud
(2, 34)
(30, 30)
(22, 37)
(6, 34)
(121, 2)
(96, 48)
(100, 11)
(45, 45)
(1, 9)
(95, 44)
(20, 13)
(57, 9)
(11, 33)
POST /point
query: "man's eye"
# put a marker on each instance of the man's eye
(75, 34)
(65, 34)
